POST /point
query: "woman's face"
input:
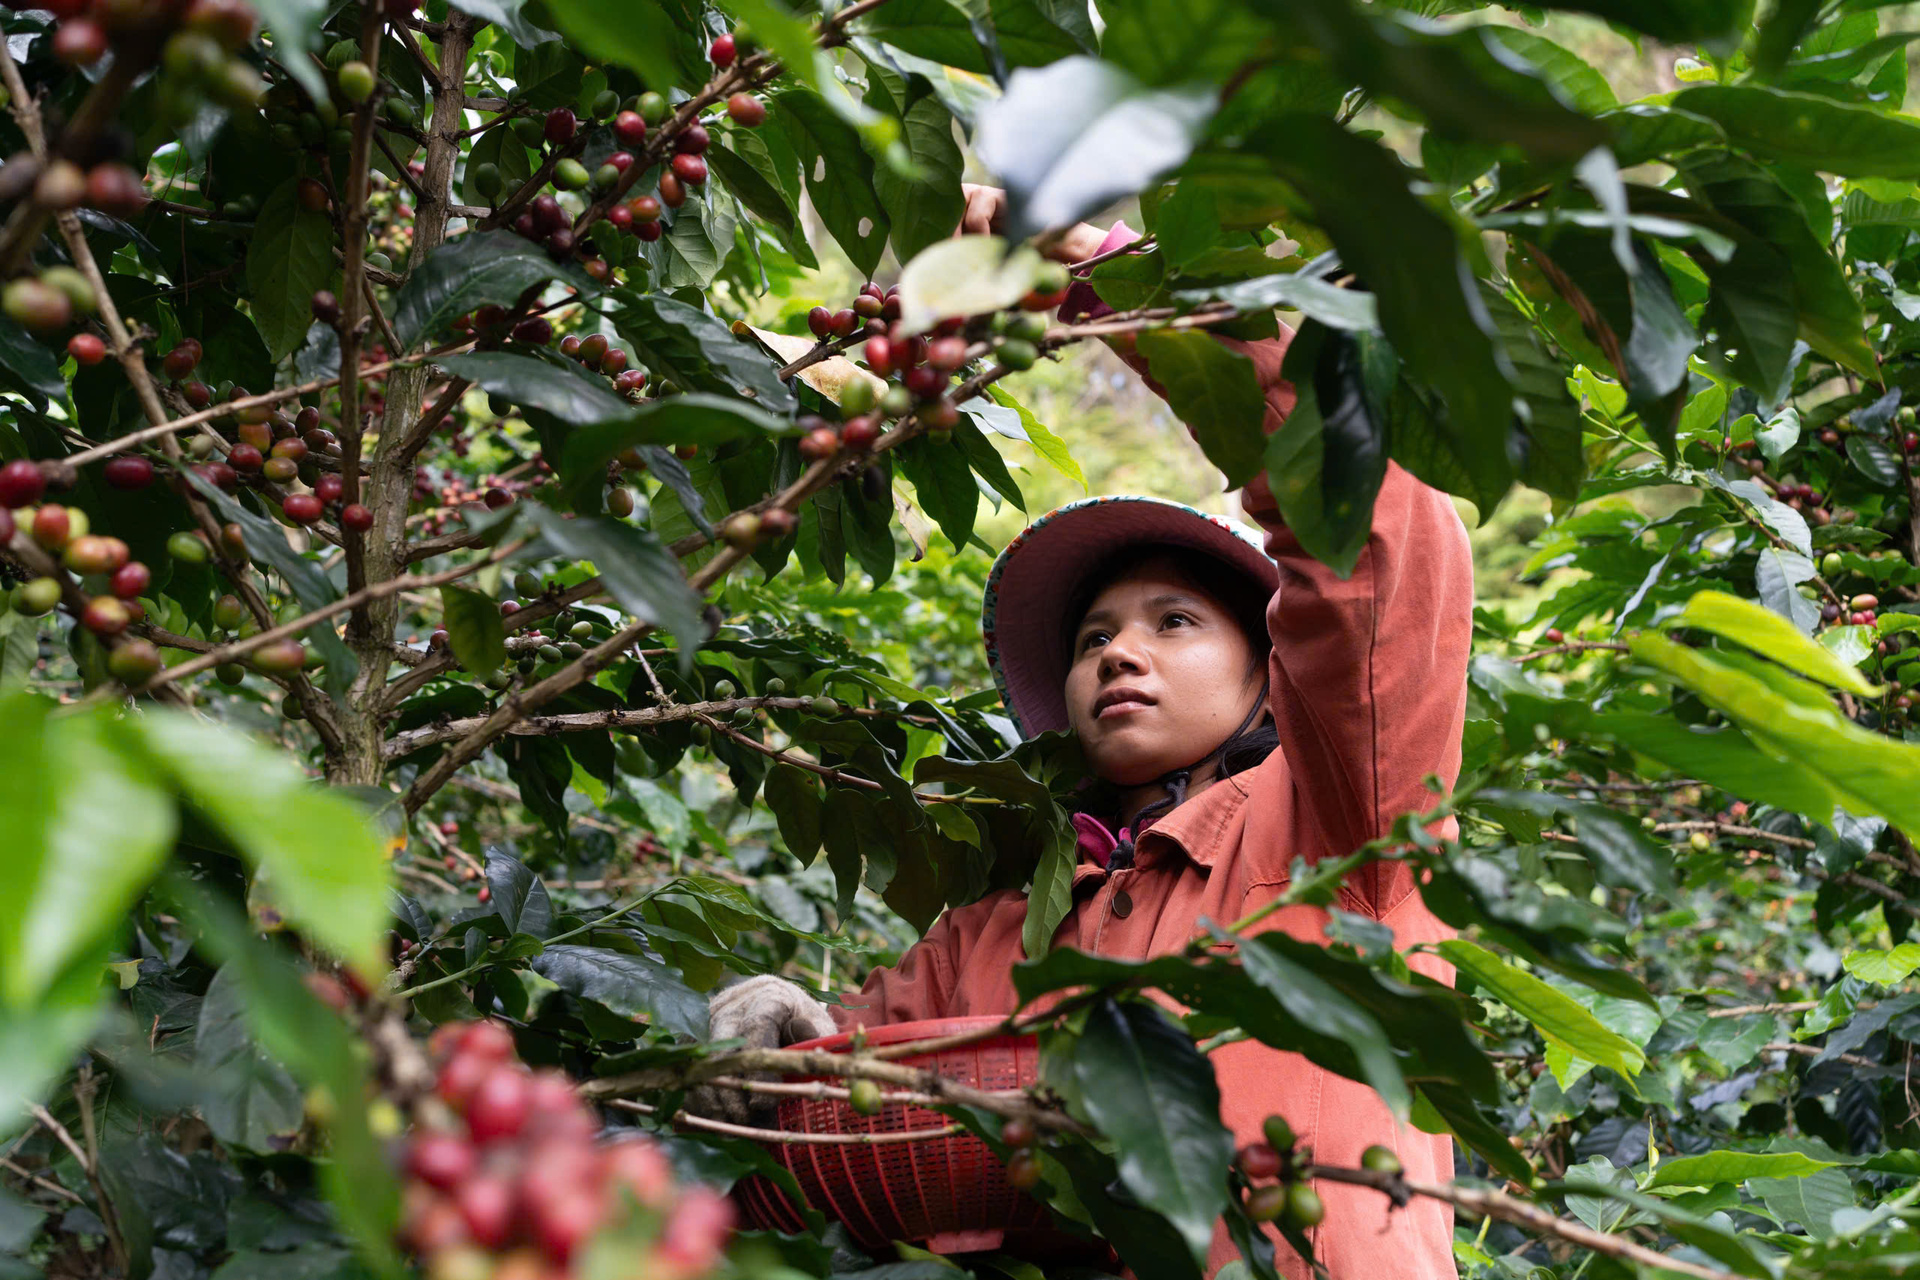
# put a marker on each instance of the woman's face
(1161, 675)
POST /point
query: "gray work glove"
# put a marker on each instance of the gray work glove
(767, 1013)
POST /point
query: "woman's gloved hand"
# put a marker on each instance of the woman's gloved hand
(768, 1013)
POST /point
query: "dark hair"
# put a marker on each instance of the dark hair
(1220, 581)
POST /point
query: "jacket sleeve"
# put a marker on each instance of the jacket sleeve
(920, 986)
(1369, 674)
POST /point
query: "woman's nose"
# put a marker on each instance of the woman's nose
(1122, 653)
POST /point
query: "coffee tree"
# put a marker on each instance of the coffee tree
(389, 397)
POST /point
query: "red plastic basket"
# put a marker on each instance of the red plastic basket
(947, 1195)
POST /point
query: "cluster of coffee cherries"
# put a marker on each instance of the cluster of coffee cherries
(506, 1179)
(110, 577)
(1279, 1193)
(917, 370)
(266, 447)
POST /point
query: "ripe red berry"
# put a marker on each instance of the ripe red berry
(859, 433)
(1258, 1160)
(723, 50)
(535, 331)
(630, 128)
(1019, 1132)
(21, 484)
(692, 140)
(313, 195)
(1910, 441)
(820, 322)
(130, 580)
(485, 894)
(819, 444)
(673, 193)
(880, 356)
(645, 208)
(1023, 1169)
(326, 307)
(925, 381)
(80, 42)
(690, 168)
(105, 616)
(328, 488)
(128, 473)
(487, 1206)
(180, 361)
(649, 230)
(844, 322)
(245, 457)
(441, 1160)
(621, 217)
(302, 508)
(87, 348)
(746, 110)
(947, 354)
(560, 126)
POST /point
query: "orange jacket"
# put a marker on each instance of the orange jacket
(1368, 694)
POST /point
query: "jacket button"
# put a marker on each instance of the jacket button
(1122, 904)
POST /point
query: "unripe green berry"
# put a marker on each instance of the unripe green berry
(1380, 1159)
(864, 1097)
(825, 706)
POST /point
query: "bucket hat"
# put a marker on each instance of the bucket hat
(1034, 580)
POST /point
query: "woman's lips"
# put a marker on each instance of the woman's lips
(1127, 707)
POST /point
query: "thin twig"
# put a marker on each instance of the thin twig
(787, 1137)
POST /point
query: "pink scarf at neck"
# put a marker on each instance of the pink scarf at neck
(1097, 840)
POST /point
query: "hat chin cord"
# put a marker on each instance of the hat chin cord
(1176, 781)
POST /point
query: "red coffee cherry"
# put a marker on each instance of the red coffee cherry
(302, 508)
(630, 128)
(560, 126)
(723, 50)
(748, 112)
(356, 517)
(128, 474)
(87, 348)
(690, 168)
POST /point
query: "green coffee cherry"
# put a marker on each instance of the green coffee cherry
(825, 706)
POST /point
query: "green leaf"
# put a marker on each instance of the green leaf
(640, 573)
(1810, 130)
(1677, 21)
(794, 799)
(1619, 849)
(630, 985)
(30, 364)
(474, 629)
(926, 205)
(699, 236)
(1044, 442)
(87, 826)
(1557, 1017)
(250, 1099)
(695, 418)
(951, 32)
(1318, 1004)
(471, 271)
(1050, 898)
(1216, 393)
(564, 390)
(289, 258)
(697, 352)
(1412, 258)
(944, 484)
(1150, 1091)
(746, 162)
(295, 25)
(1829, 315)
(1874, 460)
(1068, 139)
(510, 16)
(1579, 84)
(1768, 633)
(1866, 772)
(1810, 1200)
(839, 174)
(964, 276)
(1331, 305)
(1885, 967)
(642, 37)
(1716, 1167)
(321, 864)
(1325, 463)
(519, 897)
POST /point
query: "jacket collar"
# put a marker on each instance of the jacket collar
(1196, 829)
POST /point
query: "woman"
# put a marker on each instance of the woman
(1244, 708)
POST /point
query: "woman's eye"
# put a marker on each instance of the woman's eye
(1176, 617)
(1088, 641)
